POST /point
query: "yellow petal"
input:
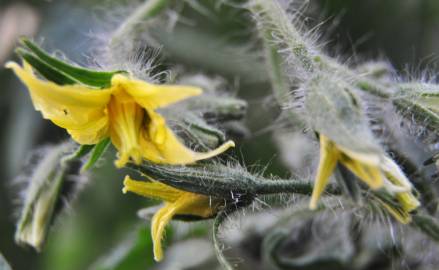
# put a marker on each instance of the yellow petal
(77, 108)
(161, 218)
(177, 202)
(395, 175)
(152, 189)
(161, 145)
(153, 96)
(371, 175)
(371, 159)
(92, 133)
(126, 120)
(187, 204)
(400, 183)
(328, 160)
(408, 201)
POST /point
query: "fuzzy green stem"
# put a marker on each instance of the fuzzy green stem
(419, 112)
(266, 186)
(147, 10)
(274, 67)
(274, 21)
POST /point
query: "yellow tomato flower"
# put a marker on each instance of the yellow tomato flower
(125, 112)
(375, 170)
(177, 202)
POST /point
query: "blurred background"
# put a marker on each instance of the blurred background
(102, 221)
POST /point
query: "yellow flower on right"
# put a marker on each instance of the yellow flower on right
(375, 170)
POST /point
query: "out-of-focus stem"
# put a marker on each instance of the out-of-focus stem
(216, 242)
(149, 9)
(272, 18)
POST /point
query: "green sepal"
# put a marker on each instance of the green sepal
(96, 153)
(80, 152)
(44, 69)
(99, 79)
(392, 206)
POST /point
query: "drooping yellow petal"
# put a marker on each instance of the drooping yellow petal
(328, 160)
(177, 202)
(161, 145)
(126, 120)
(151, 189)
(161, 218)
(153, 96)
(79, 109)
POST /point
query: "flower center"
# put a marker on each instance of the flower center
(126, 118)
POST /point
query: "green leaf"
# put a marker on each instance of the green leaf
(96, 153)
(4, 264)
(86, 76)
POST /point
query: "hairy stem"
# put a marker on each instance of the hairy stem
(268, 186)
(149, 9)
(216, 242)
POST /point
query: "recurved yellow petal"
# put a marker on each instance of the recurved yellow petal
(161, 145)
(151, 189)
(77, 108)
(328, 160)
(153, 96)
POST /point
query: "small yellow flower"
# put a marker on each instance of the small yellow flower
(375, 170)
(177, 202)
(125, 112)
